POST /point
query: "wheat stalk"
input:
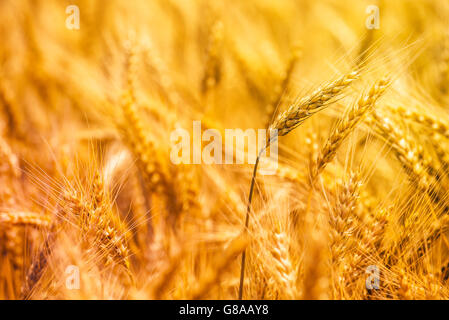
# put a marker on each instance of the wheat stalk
(285, 123)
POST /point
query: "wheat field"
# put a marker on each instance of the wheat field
(92, 207)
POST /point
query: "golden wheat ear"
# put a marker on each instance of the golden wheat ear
(347, 125)
(297, 113)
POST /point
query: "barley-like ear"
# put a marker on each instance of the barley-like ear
(39, 264)
(285, 272)
(100, 227)
(213, 65)
(343, 219)
(108, 232)
(24, 219)
(11, 110)
(305, 108)
(411, 158)
(347, 125)
(440, 149)
(425, 119)
(343, 222)
(8, 157)
(142, 146)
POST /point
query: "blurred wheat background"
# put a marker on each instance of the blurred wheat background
(86, 181)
